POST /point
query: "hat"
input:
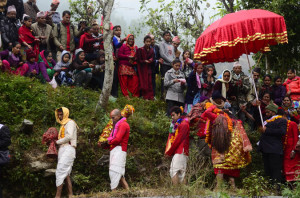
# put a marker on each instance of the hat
(30, 54)
(11, 8)
(40, 14)
(272, 107)
(217, 95)
(236, 64)
(78, 51)
(55, 2)
(176, 39)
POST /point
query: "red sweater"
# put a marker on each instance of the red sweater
(294, 87)
(181, 141)
(122, 137)
(86, 43)
(124, 53)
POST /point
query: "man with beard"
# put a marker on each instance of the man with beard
(270, 143)
(9, 27)
(42, 30)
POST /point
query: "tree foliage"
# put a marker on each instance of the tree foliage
(85, 10)
(180, 17)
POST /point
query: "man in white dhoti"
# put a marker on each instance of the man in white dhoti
(118, 141)
(67, 141)
(178, 145)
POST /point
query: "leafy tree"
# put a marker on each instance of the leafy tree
(87, 10)
(180, 17)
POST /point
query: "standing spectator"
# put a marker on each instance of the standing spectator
(53, 17)
(64, 34)
(31, 9)
(292, 85)
(95, 30)
(224, 86)
(42, 30)
(87, 42)
(145, 58)
(270, 143)
(4, 143)
(209, 79)
(266, 87)
(117, 41)
(127, 69)
(279, 91)
(167, 53)
(157, 61)
(2, 8)
(82, 69)
(176, 43)
(12, 60)
(241, 86)
(187, 63)
(19, 7)
(9, 27)
(175, 84)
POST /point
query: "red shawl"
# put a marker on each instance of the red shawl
(25, 35)
(132, 48)
(288, 81)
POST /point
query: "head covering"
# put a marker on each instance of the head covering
(43, 58)
(236, 64)
(176, 39)
(77, 51)
(272, 107)
(30, 54)
(41, 14)
(24, 15)
(224, 82)
(217, 95)
(65, 119)
(55, 2)
(11, 8)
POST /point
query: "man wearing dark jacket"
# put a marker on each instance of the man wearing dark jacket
(9, 27)
(4, 143)
(19, 7)
(271, 143)
(157, 60)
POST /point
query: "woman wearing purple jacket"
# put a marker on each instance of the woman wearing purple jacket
(278, 91)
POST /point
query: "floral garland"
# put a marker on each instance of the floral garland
(175, 129)
(286, 135)
(114, 133)
(62, 133)
(272, 119)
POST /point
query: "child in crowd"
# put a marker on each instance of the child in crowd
(63, 73)
(279, 91)
(117, 41)
(98, 72)
(187, 66)
(82, 69)
(33, 66)
(12, 60)
(175, 85)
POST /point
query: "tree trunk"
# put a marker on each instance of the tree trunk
(109, 62)
(267, 64)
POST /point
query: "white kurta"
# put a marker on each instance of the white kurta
(178, 165)
(117, 163)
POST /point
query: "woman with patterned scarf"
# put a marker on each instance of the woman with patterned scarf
(67, 141)
(127, 68)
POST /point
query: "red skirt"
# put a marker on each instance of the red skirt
(228, 172)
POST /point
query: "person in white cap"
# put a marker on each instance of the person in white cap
(42, 30)
(31, 9)
(9, 26)
(241, 86)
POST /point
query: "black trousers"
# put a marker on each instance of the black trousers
(163, 71)
(171, 104)
(273, 164)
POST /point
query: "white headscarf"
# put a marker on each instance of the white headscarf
(225, 82)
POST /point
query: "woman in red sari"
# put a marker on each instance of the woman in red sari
(291, 158)
(127, 64)
(26, 37)
(145, 57)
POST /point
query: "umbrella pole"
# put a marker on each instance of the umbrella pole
(251, 76)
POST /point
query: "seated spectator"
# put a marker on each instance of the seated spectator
(42, 30)
(82, 69)
(64, 33)
(176, 43)
(9, 26)
(12, 60)
(98, 71)
(87, 42)
(175, 85)
(145, 58)
(63, 72)
(33, 66)
(31, 9)
(195, 86)
(187, 64)
(95, 30)
(18, 4)
(46, 65)
(127, 68)
(264, 102)
(53, 17)
(279, 91)
(224, 86)
(291, 113)
(266, 87)
(26, 37)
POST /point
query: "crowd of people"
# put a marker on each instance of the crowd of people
(47, 46)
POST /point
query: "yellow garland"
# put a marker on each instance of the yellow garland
(174, 136)
(62, 134)
(274, 118)
(286, 135)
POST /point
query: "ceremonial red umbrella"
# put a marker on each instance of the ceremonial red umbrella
(240, 33)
